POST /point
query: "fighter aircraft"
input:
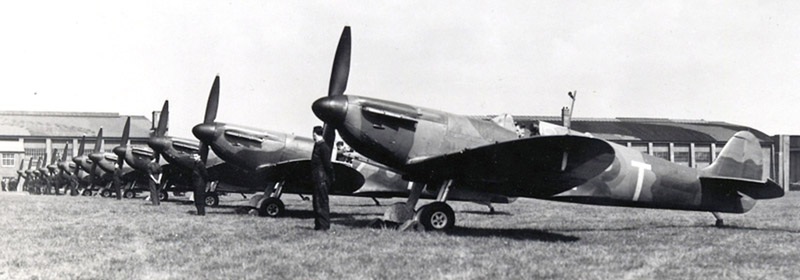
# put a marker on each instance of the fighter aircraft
(253, 149)
(435, 147)
(95, 176)
(138, 158)
(279, 161)
(68, 169)
(180, 152)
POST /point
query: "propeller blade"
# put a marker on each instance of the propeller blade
(328, 135)
(163, 120)
(204, 152)
(81, 147)
(54, 156)
(126, 131)
(98, 142)
(213, 102)
(64, 155)
(341, 65)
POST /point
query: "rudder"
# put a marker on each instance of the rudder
(741, 158)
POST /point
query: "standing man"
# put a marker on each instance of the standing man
(153, 170)
(322, 176)
(116, 182)
(199, 179)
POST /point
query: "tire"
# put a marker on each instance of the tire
(212, 199)
(271, 207)
(105, 193)
(129, 194)
(163, 196)
(437, 216)
(87, 193)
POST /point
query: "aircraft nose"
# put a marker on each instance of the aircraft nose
(331, 109)
(96, 157)
(158, 143)
(206, 132)
(120, 151)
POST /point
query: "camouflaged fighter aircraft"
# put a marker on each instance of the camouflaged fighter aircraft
(287, 155)
(96, 177)
(279, 161)
(180, 152)
(435, 147)
(139, 159)
(67, 171)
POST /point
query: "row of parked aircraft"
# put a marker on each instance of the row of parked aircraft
(415, 152)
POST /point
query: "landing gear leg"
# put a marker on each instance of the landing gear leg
(719, 222)
(402, 213)
(377, 203)
(271, 205)
(438, 215)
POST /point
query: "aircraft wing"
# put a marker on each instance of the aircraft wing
(297, 175)
(528, 167)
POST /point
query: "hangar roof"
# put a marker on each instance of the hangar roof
(69, 124)
(652, 129)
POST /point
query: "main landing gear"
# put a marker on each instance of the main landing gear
(270, 204)
(436, 216)
(719, 222)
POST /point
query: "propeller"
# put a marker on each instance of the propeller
(97, 143)
(339, 75)
(211, 114)
(163, 121)
(125, 134)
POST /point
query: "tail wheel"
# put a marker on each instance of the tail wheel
(271, 207)
(163, 196)
(129, 194)
(437, 216)
(212, 199)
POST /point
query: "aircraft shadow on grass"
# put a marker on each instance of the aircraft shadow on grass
(725, 227)
(498, 213)
(516, 234)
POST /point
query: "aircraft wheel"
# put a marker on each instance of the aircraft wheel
(129, 194)
(105, 193)
(212, 199)
(163, 196)
(271, 207)
(87, 193)
(437, 216)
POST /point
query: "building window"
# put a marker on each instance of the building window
(702, 156)
(681, 154)
(36, 152)
(661, 151)
(8, 160)
(641, 147)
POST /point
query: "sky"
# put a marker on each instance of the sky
(731, 61)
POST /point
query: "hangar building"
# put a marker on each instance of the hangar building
(31, 135)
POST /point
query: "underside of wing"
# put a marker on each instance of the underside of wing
(297, 175)
(528, 167)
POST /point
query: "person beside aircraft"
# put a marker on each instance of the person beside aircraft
(199, 179)
(322, 175)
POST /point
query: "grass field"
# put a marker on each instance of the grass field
(57, 237)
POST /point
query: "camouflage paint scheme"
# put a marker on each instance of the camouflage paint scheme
(431, 146)
(179, 152)
(273, 156)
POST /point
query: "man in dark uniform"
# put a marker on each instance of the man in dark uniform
(322, 176)
(199, 179)
(153, 170)
(116, 182)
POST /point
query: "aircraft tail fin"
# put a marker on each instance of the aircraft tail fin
(505, 121)
(740, 166)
